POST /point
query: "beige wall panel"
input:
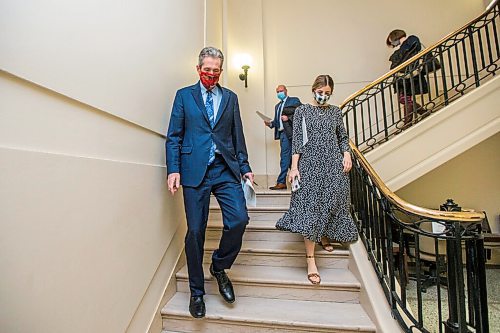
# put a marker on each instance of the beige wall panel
(304, 38)
(472, 179)
(85, 219)
(214, 25)
(125, 57)
(244, 36)
(347, 38)
(33, 118)
(80, 240)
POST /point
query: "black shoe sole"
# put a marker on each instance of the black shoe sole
(197, 317)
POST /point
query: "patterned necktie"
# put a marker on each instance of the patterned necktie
(209, 106)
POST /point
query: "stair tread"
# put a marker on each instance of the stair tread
(264, 224)
(286, 276)
(267, 311)
(294, 248)
(284, 193)
(269, 225)
(265, 191)
(282, 208)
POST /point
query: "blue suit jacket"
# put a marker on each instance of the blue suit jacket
(290, 101)
(190, 135)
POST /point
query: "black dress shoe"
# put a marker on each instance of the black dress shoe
(225, 285)
(197, 307)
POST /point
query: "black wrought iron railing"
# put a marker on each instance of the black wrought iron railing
(457, 64)
(413, 248)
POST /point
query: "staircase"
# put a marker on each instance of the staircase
(440, 137)
(269, 277)
(459, 110)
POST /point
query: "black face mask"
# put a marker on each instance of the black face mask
(395, 43)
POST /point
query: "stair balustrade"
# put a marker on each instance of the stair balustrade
(394, 231)
(452, 67)
(389, 227)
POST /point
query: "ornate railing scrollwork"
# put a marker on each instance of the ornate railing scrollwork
(449, 242)
(467, 58)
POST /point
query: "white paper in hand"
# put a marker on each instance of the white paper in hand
(263, 116)
(249, 192)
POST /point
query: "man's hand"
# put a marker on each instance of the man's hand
(249, 176)
(267, 123)
(174, 182)
(284, 118)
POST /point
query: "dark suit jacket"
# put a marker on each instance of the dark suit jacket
(289, 111)
(290, 101)
(410, 47)
(190, 135)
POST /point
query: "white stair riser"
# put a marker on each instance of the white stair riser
(216, 215)
(259, 259)
(264, 200)
(259, 235)
(207, 325)
(284, 291)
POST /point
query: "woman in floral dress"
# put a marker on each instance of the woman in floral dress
(321, 160)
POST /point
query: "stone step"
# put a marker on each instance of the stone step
(265, 315)
(266, 198)
(337, 285)
(287, 254)
(256, 213)
(256, 230)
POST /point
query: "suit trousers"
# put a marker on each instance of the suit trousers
(285, 157)
(227, 189)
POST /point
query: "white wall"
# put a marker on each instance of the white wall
(293, 41)
(125, 57)
(244, 35)
(89, 235)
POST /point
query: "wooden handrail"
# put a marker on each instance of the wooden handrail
(417, 56)
(471, 217)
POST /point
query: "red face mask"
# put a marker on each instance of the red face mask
(209, 80)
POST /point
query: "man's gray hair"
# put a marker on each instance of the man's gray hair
(210, 51)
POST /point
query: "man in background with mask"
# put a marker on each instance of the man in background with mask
(206, 153)
(279, 133)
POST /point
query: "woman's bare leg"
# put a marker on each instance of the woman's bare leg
(311, 261)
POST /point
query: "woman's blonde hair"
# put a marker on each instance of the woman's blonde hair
(322, 81)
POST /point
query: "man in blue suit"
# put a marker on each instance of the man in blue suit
(206, 153)
(279, 133)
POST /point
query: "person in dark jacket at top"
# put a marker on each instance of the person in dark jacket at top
(414, 82)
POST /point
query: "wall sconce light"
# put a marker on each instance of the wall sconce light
(243, 61)
(244, 75)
